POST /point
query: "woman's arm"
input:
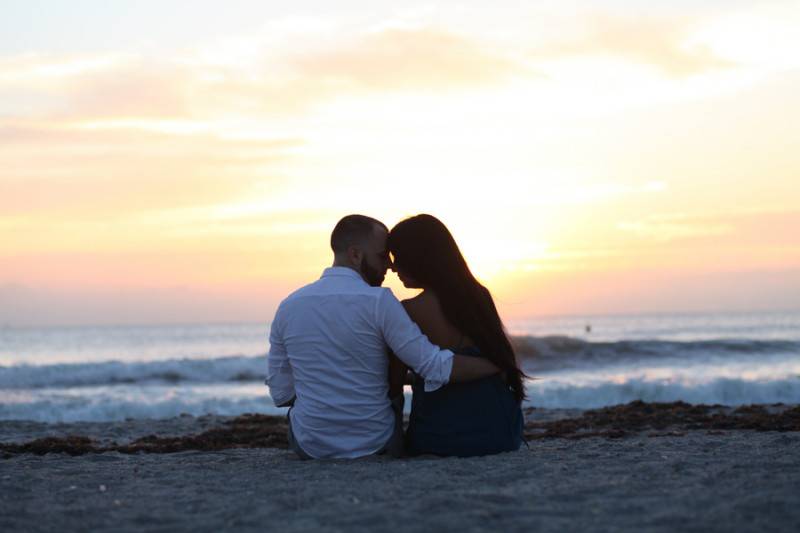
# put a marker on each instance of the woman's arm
(397, 375)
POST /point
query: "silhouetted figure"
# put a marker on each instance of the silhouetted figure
(456, 311)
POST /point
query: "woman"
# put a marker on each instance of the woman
(455, 311)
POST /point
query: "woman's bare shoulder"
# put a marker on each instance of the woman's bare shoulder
(413, 306)
(427, 312)
(411, 301)
(423, 308)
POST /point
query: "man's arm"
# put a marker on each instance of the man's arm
(435, 365)
(280, 379)
(466, 368)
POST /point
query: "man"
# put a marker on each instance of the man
(329, 347)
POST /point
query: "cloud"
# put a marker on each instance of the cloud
(94, 85)
(92, 173)
(182, 85)
(665, 229)
(664, 44)
(139, 89)
(754, 228)
(426, 58)
(387, 61)
(167, 134)
(31, 68)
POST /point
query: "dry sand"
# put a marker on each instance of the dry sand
(687, 480)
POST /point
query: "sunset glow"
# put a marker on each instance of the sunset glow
(588, 157)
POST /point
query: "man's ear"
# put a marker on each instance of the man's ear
(355, 254)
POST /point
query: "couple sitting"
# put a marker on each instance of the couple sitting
(342, 347)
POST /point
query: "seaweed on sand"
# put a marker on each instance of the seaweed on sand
(246, 431)
(620, 420)
(262, 431)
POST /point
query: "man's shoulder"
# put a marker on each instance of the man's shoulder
(383, 293)
(323, 288)
(300, 292)
(294, 297)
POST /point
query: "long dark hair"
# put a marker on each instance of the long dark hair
(424, 249)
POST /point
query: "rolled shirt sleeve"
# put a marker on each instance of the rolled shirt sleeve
(409, 344)
(280, 379)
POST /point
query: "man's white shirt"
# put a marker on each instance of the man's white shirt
(329, 347)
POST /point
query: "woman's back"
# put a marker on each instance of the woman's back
(463, 419)
(426, 311)
(455, 311)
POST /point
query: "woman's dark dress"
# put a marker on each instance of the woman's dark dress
(479, 417)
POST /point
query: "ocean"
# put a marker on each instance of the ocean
(69, 374)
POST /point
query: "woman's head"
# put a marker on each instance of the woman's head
(426, 256)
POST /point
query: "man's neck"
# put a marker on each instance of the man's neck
(351, 267)
(343, 265)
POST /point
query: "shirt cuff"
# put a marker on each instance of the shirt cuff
(280, 395)
(443, 375)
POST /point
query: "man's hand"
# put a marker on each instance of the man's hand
(466, 368)
(290, 403)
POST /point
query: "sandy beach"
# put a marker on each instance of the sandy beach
(585, 478)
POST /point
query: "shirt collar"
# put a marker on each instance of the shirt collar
(341, 271)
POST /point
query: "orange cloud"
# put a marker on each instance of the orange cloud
(749, 228)
(665, 229)
(138, 89)
(388, 60)
(657, 42)
(177, 87)
(424, 58)
(91, 173)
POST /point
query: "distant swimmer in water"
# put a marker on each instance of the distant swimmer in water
(588, 328)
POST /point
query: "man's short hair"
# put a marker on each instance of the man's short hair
(353, 229)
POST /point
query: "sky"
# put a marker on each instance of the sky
(178, 161)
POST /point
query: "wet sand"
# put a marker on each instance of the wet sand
(630, 468)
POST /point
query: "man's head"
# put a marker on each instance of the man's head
(359, 242)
